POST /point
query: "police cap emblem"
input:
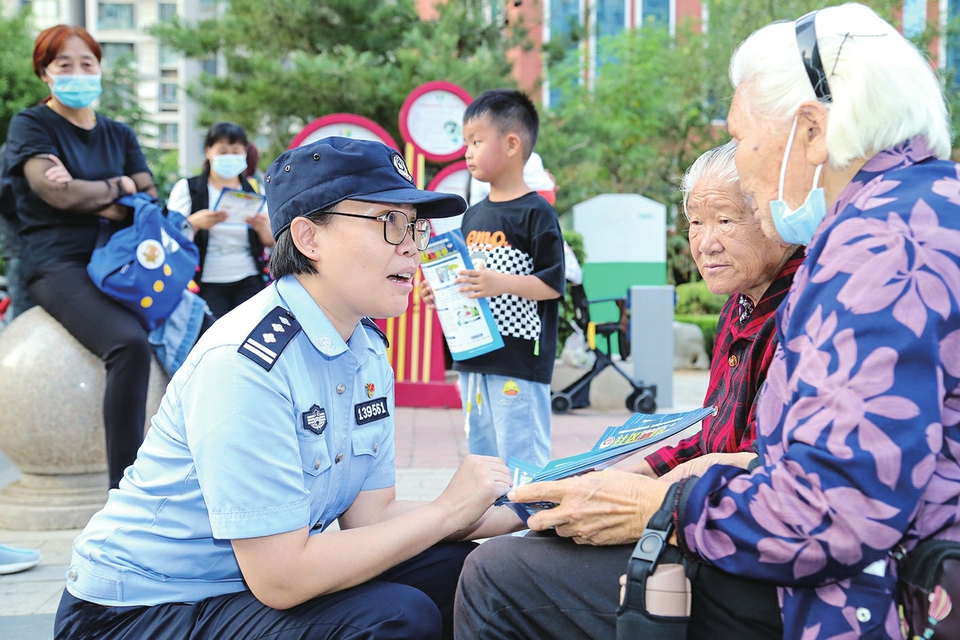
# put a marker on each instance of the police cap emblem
(401, 167)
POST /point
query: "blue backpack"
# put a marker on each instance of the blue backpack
(146, 266)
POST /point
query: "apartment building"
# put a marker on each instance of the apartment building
(121, 29)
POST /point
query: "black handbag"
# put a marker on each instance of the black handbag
(928, 590)
(652, 558)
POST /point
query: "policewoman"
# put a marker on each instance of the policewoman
(278, 426)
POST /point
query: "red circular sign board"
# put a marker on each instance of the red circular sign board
(431, 119)
(347, 125)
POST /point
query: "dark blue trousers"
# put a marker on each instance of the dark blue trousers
(412, 600)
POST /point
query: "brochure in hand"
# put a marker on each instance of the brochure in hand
(467, 323)
(639, 432)
(239, 205)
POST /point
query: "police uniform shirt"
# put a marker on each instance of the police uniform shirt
(272, 424)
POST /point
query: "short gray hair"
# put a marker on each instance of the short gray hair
(716, 164)
(884, 90)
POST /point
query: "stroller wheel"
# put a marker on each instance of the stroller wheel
(641, 401)
(561, 403)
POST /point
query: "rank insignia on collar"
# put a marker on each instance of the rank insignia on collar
(314, 419)
(370, 389)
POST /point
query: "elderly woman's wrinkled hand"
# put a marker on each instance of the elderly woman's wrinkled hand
(699, 465)
(601, 508)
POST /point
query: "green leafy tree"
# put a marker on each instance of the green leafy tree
(19, 87)
(657, 103)
(288, 63)
(119, 101)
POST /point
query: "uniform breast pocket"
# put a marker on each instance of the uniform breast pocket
(367, 439)
(313, 453)
(370, 425)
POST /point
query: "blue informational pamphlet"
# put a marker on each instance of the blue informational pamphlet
(467, 323)
(640, 431)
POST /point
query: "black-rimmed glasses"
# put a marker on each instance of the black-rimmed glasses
(395, 225)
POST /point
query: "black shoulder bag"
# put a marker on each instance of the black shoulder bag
(928, 589)
(656, 603)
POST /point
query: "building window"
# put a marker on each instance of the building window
(611, 17)
(914, 17)
(657, 11)
(168, 56)
(115, 16)
(169, 134)
(116, 53)
(564, 18)
(167, 11)
(953, 43)
(209, 66)
(168, 95)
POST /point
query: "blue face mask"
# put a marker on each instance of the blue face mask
(77, 91)
(228, 166)
(798, 226)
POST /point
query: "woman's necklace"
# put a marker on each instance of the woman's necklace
(72, 115)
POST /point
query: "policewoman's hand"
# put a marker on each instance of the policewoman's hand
(475, 486)
(600, 508)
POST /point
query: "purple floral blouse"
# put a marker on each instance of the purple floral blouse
(857, 425)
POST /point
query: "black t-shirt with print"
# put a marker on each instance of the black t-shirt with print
(522, 237)
(110, 149)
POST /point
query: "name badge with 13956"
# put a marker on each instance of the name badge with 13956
(375, 409)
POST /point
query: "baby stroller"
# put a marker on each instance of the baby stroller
(577, 395)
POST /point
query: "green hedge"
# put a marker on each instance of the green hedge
(694, 298)
(707, 324)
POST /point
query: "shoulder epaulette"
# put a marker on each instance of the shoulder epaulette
(370, 324)
(270, 337)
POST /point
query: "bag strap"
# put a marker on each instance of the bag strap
(651, 546)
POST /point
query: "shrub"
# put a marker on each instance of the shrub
(694, 298)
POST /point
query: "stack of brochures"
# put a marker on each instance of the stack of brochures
(639, 432)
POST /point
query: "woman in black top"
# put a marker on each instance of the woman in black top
(232, 257)
(68, 166)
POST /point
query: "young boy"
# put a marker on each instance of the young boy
(514, 239)
(280, 423)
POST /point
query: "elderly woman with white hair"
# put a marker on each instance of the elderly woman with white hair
(842, 136)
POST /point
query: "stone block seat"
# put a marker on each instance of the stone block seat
(51, 424)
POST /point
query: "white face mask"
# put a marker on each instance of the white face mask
(798, 226)
(229, 166)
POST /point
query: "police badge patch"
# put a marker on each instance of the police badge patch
(314, 419)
